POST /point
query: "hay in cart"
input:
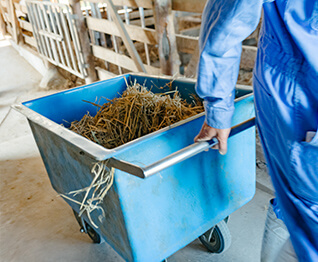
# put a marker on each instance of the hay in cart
(137, 112)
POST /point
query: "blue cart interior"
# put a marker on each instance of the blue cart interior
(146, 219)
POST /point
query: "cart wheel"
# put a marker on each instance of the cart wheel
(87, 229)
(93, 234)
(217, 239)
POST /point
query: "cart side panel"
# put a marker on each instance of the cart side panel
(167, 211)
(69, 169)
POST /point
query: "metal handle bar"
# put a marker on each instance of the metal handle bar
(177, 157)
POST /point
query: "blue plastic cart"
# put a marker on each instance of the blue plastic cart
(166, 191)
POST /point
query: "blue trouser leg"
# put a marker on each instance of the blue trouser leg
(275, 235)
(286, 108)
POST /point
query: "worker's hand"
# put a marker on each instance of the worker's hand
(207, 133)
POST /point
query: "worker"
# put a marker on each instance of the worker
(285, 81)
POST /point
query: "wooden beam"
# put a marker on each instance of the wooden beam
(104, 74)
(25, 25)
(9, 29)
(164, 22)
(193, 31)
(194, 6)
(84, 42)
(3, 20)
(2, 23)
(196, 18)
(248, 57)
(136, 14)
(21, 8)
(191, 71)
(7, 17)
(176, 21)
(129, 3)
(125, 37)
(16, 31)
(121, 60)
(30, 40)
(148, 21)
(136, 33)
(3, 3)
(185, 44)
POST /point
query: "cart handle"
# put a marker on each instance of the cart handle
(177, 157)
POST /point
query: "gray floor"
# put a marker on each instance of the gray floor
(37, 225)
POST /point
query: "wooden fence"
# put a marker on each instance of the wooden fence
(132, 35)
(25, 25)
(17, 24)
(156, 36)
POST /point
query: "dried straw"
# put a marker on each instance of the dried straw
(136, 113)
(95, 192)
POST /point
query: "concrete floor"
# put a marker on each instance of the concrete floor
(37, 225)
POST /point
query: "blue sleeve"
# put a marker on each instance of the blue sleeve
(225, 24)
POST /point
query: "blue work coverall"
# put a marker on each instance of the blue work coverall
(286, 97)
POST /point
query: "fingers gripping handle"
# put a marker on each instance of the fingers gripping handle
(178, 156)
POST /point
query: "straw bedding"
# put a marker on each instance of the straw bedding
(136, 113)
